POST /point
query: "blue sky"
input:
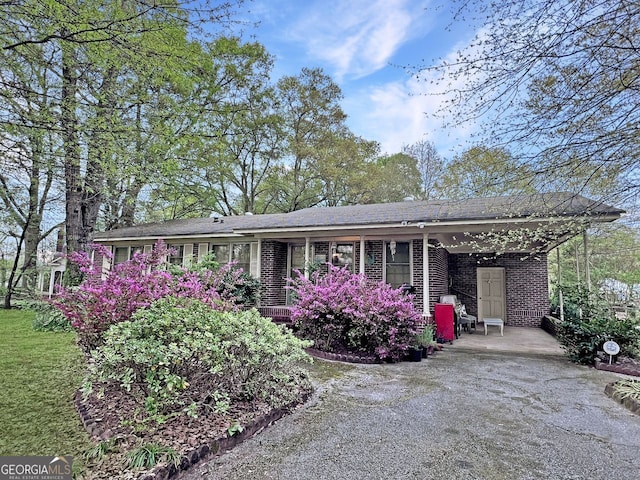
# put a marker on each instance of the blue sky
(363, 45)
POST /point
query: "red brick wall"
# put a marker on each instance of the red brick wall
(374, 271)
(273, 272)
(526, 286)
(438, 274)
(418, 277)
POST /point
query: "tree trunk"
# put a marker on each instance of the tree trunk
(75, 233)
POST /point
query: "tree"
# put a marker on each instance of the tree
(28, 153)
(484, 172)
(614, 262)
(344, 165)
(312, 117)
(430, 166)
(556, 82)
(394, 178)
(94, 58)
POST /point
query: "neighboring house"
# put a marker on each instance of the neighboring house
(490, 252)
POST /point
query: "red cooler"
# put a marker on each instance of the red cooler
(444, 321)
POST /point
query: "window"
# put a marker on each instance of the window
(342, 255)
(120, 255)
(203, 251)
(397, 263)
(241, 253)
(244, 254)
(176, 257)
(221, 253)
(296, 262)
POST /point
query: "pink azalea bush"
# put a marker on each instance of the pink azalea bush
(343, 311)
(105, 299)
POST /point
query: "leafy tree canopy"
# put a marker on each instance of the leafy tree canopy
(557, 82)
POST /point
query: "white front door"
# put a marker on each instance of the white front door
(491, 293)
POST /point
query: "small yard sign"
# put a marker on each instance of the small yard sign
(611, 348)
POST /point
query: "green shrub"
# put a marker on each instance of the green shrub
(181, 355)
(589, 322)
(48, 318)
(582, 339)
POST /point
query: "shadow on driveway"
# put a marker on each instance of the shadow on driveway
(454, 416)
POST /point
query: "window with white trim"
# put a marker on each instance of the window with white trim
(221, 253)
(296, 261)
(342, 255)
(176, 255)
(241, 254)
(397, 263)
(120, 255)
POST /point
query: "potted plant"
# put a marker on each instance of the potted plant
(415, 351)
(425, 340)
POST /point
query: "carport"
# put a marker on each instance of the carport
(518, 340)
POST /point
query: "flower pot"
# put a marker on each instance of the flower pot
(425, 352)
(415, 354)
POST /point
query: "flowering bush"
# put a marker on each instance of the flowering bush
(102, 300)
(342, 311)
(179, 355)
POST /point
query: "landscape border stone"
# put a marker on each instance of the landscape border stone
(196, 455)
(628, 402)
(341, 357)
(616, 368)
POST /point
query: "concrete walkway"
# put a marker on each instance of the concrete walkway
(519, 340)
(478, 416)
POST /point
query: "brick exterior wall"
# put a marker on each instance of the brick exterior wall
(322, 248)
(438, 274)
(374, 271)
(526, 280)
(418, 277)
(273, 272)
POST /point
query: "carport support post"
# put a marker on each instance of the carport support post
(560, 298)
(425, 275)
(587, 270)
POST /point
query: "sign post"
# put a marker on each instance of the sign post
(611, 348)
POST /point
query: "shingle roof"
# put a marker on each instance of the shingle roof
(523, 206)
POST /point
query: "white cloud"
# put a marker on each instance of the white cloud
(358, 37)
(406, 111)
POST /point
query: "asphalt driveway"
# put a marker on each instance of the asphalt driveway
(458, 415)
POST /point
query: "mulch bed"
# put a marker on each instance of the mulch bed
(113, 415)
(625, 365)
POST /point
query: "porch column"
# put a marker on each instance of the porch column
(587, 270)
(307, 254)
(425, 275)
(362, 255)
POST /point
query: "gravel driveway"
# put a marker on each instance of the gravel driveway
(457, 415)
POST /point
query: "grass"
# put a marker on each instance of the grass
(39, 374)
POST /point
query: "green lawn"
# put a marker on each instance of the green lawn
(39, 373)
